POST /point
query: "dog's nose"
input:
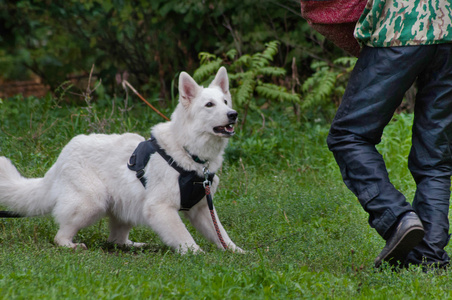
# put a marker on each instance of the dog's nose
(232, 115)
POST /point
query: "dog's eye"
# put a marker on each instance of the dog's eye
(209, 104)
(225, 101)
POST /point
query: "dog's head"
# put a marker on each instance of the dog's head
(208, 110)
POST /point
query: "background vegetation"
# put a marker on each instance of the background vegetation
(281, 195)
(150, 42)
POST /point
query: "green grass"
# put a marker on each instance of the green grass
(281, 198)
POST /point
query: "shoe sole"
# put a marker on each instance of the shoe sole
(409, 240)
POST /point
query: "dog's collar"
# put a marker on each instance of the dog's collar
(196, 158)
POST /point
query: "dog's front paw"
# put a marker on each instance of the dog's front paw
(129, 243)
(77, 246)
(238, 250)
(184, 249)
(137, 245)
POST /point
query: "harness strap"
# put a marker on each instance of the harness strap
(165, 156)
(140, 158)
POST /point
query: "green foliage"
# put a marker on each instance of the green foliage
(150, 40)
(324, 89)
(251, 76)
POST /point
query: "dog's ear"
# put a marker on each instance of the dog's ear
(221, 80)
(188, 89)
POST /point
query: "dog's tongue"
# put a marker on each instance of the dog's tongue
(228, 129)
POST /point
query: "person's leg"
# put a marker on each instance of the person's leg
(430, 159)
(375, 89)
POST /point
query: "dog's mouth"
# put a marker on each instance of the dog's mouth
(226, 131)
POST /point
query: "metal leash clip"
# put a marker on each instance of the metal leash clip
(206, 173)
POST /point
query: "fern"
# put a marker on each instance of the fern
(206, 57)
(273, 91)
(327, 85)
(252, 75)
(206, 70)
(244, 91)
(231, 54)
(242, 61)
(270, 51)
(318, 88)
(272, 71)
(346, 61)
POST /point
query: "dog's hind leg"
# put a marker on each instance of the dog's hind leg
(119, 233)
(73, 222)
(199, 216)
(78, 209)
(65, 236)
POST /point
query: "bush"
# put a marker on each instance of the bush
(150, 40)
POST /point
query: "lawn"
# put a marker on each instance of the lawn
(281, 198)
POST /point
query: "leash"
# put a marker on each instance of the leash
(206, 185)
(125, 82)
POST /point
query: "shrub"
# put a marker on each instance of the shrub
(251, 76)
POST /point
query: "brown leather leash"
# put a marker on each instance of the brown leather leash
(207, 184)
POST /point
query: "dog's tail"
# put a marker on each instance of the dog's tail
(26, 197)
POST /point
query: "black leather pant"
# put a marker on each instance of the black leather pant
(376, 88)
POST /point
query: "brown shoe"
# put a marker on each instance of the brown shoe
(407, 235)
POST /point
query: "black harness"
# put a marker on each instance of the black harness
(190, 184)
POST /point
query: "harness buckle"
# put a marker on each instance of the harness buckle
(140, 174)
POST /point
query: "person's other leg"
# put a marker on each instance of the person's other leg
(430, 159)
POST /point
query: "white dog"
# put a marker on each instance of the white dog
(91, 178)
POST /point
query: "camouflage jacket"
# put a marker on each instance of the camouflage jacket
(388, 23)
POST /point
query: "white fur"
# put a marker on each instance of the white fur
(90, 179)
